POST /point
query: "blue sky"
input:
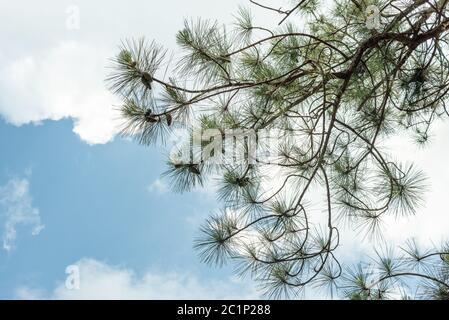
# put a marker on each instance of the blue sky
(96, 202)
(99, 197)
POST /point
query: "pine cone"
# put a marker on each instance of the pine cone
(147, 79)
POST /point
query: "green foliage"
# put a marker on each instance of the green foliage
(336, 90)
(206, 46)
(134, 67)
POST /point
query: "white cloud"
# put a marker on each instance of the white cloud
(66, 81)
(102, 281)
(430, 226)
(158, 186)
(431, 223)
(16, 209)
(50, 72)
